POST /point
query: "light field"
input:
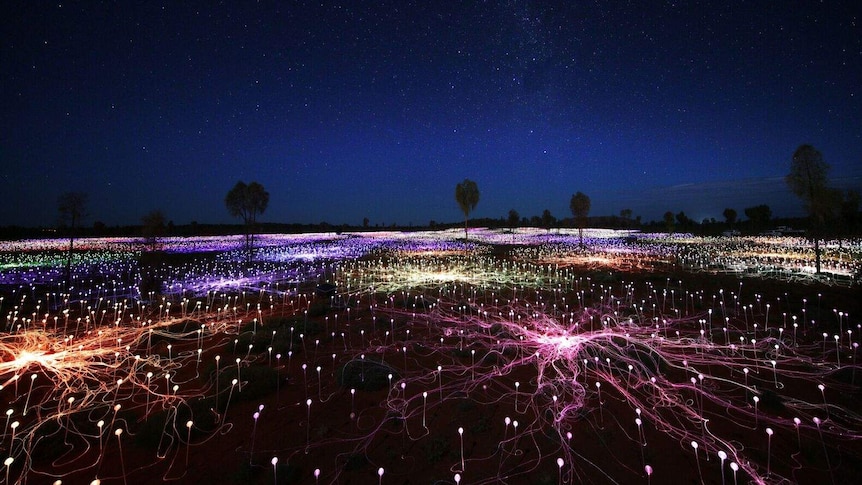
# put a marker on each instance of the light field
(514, 358)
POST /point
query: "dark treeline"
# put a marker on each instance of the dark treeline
(710, 227)
(172, 230)
(831, 213)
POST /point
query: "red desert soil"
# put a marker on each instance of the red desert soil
(349, 448)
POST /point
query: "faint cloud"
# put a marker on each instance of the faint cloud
(703, 200)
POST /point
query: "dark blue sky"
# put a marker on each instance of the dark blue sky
(344, 111)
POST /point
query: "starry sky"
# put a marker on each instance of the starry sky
(345, 111)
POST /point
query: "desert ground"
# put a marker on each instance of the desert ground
(519, 357)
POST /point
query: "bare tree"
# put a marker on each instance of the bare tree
(580, 206)
(808, 180)
(73, 208)
(467, 196)
(247, 202)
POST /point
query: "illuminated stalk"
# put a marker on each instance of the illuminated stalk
(189, 425)
(8, 463)
(27, 401)
(825, 452)
(217, 359)
(699, 474)
(230, 394)
(238, 379)
(253, 432)
(149, 391)
(308, 427)
(117, 433)
(461, 438)
(768, 450)
(601, 408)
(440, 374)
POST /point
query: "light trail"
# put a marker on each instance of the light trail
(589, 351)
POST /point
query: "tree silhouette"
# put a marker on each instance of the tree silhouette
(626, 215)
(729, 216)
(548, 220)
(467, 196)
(759, 215)
(153, 227)
(668, 221)
(808, 180)
(150, 285)
(683, 220)
(513, 220)
(850, 211)
(73, 208)
(580, 206)
(247, 202)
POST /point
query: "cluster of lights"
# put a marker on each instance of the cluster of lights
(556, 348)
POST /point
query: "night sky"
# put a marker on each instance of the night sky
(344, 111)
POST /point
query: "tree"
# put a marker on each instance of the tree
(153, 227)
(548, 220)
(729, 216)
(626, 215)
(73, 208)
(247, 202)
(513, 220)
(850, 211)
(808, 181)
(759, 215)
(467, 196)
(580, 206)
(668, 221)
